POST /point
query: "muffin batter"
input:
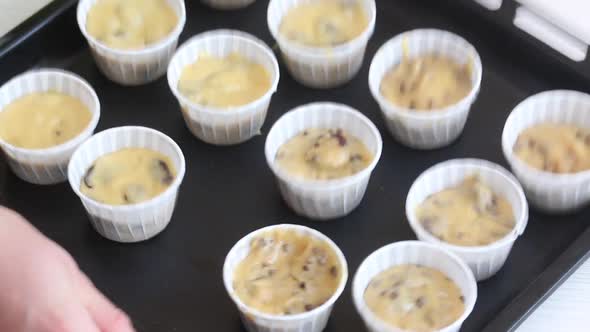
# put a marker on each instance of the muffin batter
(224, 82)
(130, 24)
(128, 176)
(323, 154)
(467, 215)
(324, 23)
(415, 298)
(287, 273)
(426, 83)
(43, 120)
(556, 148)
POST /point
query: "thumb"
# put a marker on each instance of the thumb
(107, 317)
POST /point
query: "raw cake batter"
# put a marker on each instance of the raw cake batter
(224, 82)
(131, 24)
(287, 273)
(415, 298)
(43, 120)
(556, 148)
(467, 215)
(323, 154)
(426, 83)
(128, 176)
(324, 23)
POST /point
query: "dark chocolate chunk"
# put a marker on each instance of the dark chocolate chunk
(168, 177)
(302, 285)
(305, 268)
(58, 133)
(383, 293)
(285, 247)
(308, 307)
(305, 133)
(340, 137)
(420, 302)
(87, 177)
(393, 295)
(334, 271)
(462, 298)
(316, 144)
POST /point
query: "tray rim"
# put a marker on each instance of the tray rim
(521, 306)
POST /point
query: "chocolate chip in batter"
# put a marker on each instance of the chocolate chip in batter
(167, 176)
(420, 302)
(334, 271)
(302, 285)
(286, 247)
(462, 298)
(340, 137)
(134, 193)
(305, 133)
(356, 157)
(393, 295)
(309, 307)
(87, 177)
(305, 267)
(58, 133)
(402, 87)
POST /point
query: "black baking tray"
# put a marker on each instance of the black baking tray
(174, 281)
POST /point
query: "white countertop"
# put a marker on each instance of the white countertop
(567, 310)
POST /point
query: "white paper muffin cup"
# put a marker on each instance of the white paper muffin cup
(549, 192)
(133, 67)
(486, 260)
(256, 321)
(47, 166)
(412, 252)
(323, 199)
(224, 126)
(135, 222)
(228, 4)
(320, 67)
(425, 129)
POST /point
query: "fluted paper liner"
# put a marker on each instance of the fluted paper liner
(320, 67)
(486, 260)
(224, 126)
(47, 166)
(133, 67)
(425, 129)
(412, 252)
(135, 222)
(555, 193)
(323, 199)
(256, 321)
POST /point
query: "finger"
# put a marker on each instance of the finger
(106, 315)
(69, 317)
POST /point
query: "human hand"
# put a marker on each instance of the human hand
(43, 290)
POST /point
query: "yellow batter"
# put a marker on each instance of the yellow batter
(128, 176)
(43, 120)
(426, 83)
(556, 148)
(287, 273)
(324, 23)
(467, 215)
(224, 82)
(415, 298)
(131, 24)
(323, 154)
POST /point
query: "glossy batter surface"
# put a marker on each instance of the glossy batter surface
(323, 154)
(224, 82)
(426, 83)
(470, 214)
(556, 148)
(287, 273)
(128, 176)
(415, 298)
(43, 120)
(131, 24)
(324, 23)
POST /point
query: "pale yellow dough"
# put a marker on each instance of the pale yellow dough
(287, 273)
(470, 214)
(324, 23)
(131, 24)
(426, 83)
(224, 82)
(556, 148)
(415, 298)
(128, 176)
(43, 120)
(323, 154)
